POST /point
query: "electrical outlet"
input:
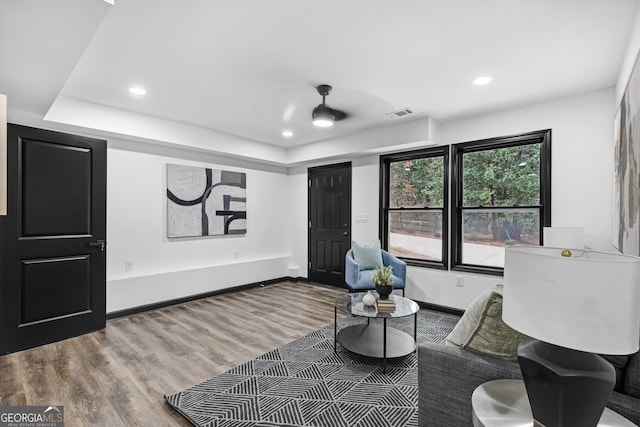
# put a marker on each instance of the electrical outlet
(362, 218)
(128, 265)
(460, 281)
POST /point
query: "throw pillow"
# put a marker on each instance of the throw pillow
(368, 257)
(482, 329)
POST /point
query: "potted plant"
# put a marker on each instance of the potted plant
(383, 280)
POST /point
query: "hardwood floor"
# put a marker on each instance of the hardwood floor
(118, 376)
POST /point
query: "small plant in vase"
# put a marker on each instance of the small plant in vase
(383, 280)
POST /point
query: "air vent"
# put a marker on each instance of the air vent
(399, 113)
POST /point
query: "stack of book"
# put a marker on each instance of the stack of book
(386, 305)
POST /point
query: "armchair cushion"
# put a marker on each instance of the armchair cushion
(367, 257)
(398, 270)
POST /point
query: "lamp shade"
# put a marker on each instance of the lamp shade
(589, 301)
(564, 237)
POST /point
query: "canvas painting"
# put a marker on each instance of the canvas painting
(205, 202)
(626, 215)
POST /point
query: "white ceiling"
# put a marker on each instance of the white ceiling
(249, 68)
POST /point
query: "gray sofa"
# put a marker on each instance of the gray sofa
(447, 376)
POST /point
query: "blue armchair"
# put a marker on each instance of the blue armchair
(360, 280)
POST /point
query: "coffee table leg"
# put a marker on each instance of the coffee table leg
(415, 327)
(335, 329)
(384, 346)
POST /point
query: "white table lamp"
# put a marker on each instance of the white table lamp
(574, 304)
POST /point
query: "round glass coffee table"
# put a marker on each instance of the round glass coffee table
(372, 339)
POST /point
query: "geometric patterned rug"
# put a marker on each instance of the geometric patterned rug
(307, 383)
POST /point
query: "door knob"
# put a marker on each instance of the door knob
(97, 244)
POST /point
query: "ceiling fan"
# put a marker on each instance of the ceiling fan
(323, 115)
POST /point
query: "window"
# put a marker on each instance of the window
(501, 189)
(414, 222)
(501, 192)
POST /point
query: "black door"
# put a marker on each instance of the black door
(52, 246)
(329, 222)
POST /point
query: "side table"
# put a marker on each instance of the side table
(504, 403)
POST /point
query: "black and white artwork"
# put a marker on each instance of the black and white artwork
(626, 215)
(205, 201)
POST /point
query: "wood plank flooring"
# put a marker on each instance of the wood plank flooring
(118, 376)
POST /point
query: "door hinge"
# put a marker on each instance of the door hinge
(309, 224)
(309, 265)
(310, 185)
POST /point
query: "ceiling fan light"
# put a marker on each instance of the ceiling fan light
(323, 116)
(323, 122)
(137, 90)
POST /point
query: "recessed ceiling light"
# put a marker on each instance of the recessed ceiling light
(137, 90)
(483, 80)
(287, 133)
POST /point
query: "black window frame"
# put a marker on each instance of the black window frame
(542, 137)
(385, 162)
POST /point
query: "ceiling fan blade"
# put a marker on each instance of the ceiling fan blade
(339, 115)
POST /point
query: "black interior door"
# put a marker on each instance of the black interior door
(329, 222)
(52, 246)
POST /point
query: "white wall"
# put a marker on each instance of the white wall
(633, 50)
(582, 177)
(365, 174)
(276, 243)
(581, 159)
(582, 183)
(298, 222)
(166, 269)
(582, 189)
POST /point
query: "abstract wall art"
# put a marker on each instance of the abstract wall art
(205, 201)
(626, 205)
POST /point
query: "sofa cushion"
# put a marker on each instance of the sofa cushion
(482, 329)
(632, 377)
(368, 257)
(620, 365)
